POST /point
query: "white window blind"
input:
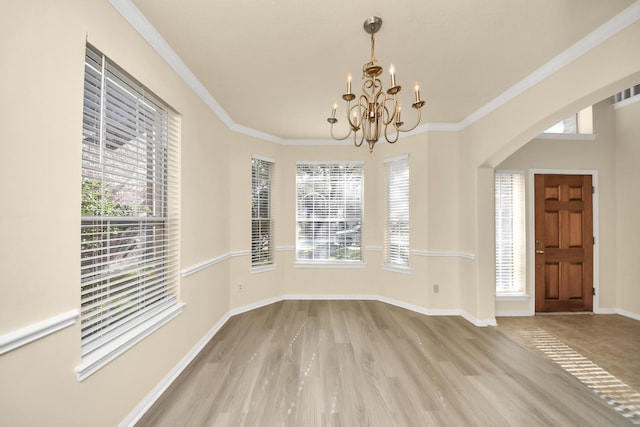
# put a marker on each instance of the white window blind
(510, 233)
(329, 211)
(130, 205)
(396, 236)
(261, 220)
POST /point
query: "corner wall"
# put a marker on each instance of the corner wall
(627, 206)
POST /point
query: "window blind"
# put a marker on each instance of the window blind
(396, 236)
(329, 211)
(510, 233)
(261, 220)
(130, 204)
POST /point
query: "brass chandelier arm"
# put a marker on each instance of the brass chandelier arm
(386, 136)
(353, 127)
(419, 119)
(342, 138)
(390, 117)
(355, 112)
(355, 139)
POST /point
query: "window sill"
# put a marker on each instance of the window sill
(328, 264)
(262, 268)
(396, 268)
(102, 356)
(512, 297)
(568, 136)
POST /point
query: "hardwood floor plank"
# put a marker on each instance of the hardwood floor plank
(366, 363)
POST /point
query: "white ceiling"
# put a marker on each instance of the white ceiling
(277, 66)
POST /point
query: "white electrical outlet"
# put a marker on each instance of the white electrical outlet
(239, 287)
(436, 288)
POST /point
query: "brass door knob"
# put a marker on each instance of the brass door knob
(539, 251)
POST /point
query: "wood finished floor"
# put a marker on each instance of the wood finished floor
(609, 340)
(366, 363)
(602, 351)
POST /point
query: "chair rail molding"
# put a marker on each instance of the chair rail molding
(34, 332)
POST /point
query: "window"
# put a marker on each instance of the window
(396, 236)
(129, 232)
(510, 233)
(627, 93)
(580, 123)
(329, 211)
(261, 222)
(568, 125)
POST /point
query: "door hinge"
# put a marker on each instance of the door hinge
(594, 240)
(594, 290)
(593, 189)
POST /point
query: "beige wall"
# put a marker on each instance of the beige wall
(43, 44)
(433, 181)
(628, 203)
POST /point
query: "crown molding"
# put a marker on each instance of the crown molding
(139, 22)
(607, 30)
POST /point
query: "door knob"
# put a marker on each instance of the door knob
(539, 251)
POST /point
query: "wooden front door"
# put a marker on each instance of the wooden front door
(563, 243)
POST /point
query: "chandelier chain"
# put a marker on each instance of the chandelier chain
(373, 42)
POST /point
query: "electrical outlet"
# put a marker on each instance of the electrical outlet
(436, 288)
(239, 287)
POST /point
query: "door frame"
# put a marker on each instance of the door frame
(531, 231)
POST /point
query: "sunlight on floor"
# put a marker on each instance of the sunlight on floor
(619, 395)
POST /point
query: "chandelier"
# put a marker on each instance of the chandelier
(375, 112)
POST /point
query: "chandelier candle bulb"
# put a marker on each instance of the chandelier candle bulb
(417, 89)
(392, 71)
(349, 83)
(333, 110)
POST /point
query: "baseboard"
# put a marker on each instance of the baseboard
(621, 312)
(630, 314)
(139, 411)
(253, 306)
(479, 322)
(302, 297)
(607, 311)
(418, 309)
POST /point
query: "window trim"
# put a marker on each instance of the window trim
(331, 263)
(144, 320)
(102, 356)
